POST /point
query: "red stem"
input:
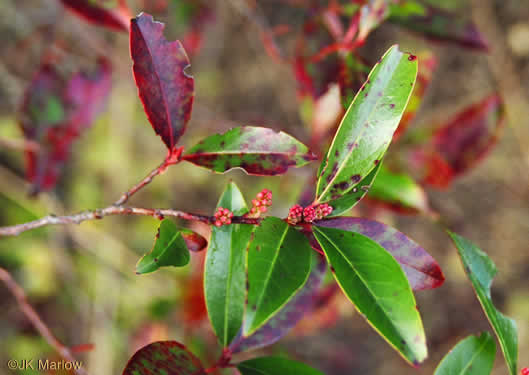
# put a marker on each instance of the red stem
(172, 158)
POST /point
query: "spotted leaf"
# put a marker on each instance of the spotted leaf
(258, 151)
(368, 125)
(164, 357)
(161, 72)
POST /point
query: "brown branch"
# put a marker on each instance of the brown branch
(97, 214)
(35, 320)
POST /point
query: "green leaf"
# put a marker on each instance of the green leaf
(275, 366)
(481, 271)
(224, 274)
(399, 191)
(471, 356)
(258, 151)
(279, 264)
(169, 249)
(368, 125)
(375, 283)
(164, 357)
(350, 199)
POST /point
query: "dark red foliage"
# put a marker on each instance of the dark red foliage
(54, 113)
(98, 12)
(460, 144)
(164, 84)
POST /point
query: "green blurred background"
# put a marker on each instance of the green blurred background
(81, 278)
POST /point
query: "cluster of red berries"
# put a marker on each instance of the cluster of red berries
(525, 371)
(223, 217)
(260, 204)
(308, 214)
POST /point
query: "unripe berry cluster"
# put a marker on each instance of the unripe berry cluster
(295, 215)
(223, 217)
(260, 204)
(308, 214)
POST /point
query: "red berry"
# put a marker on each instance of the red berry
(525, 371)
(295, 214)
(309, 214)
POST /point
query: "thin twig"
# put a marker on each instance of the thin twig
(36, 321)
(97, 214)
(171, 159)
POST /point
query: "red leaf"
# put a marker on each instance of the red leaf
(457, 146)
(95, 11)
(422, 270)
(164, 86)
(54, 113)
(169, 356)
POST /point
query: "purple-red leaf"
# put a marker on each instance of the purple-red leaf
(164, 357)
(98, 12)
(288, 317)
(421, 269)
(54, 113)
(457, 146)
(165, 85)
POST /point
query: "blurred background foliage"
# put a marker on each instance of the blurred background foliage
(81, 279)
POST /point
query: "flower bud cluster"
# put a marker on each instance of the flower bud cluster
(223, 217)
(308, 214)
(260, 204)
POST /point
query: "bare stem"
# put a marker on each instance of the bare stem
(35, 320)
(173, 157)
(97, 214)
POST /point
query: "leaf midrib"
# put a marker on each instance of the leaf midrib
(156, 74)
(165, 249)
(363, 282)
(474, 357)
(270, 270)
